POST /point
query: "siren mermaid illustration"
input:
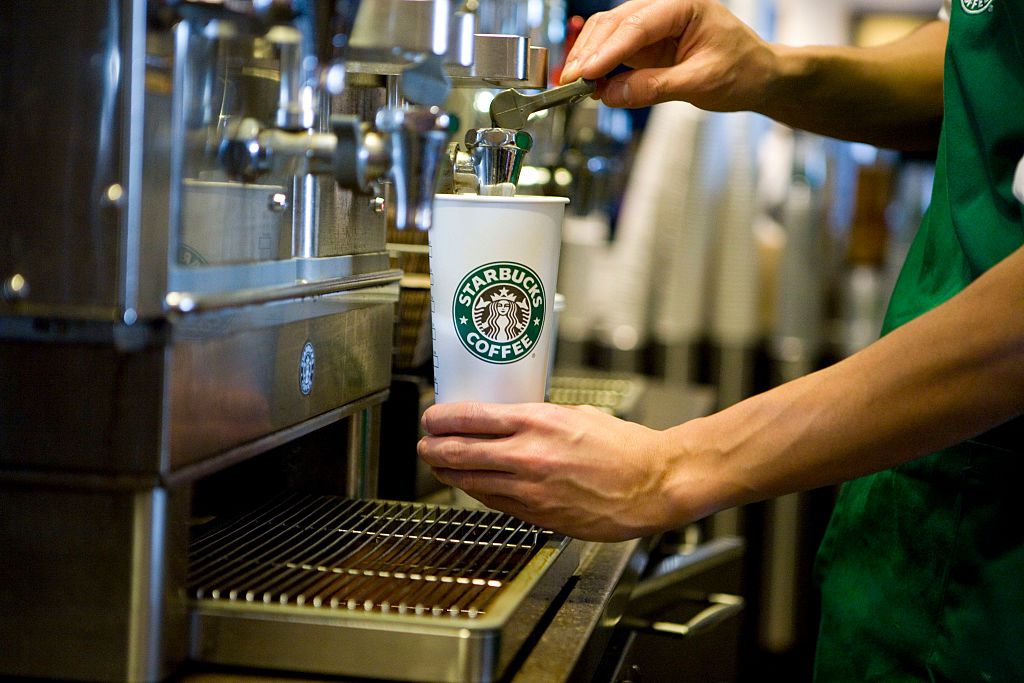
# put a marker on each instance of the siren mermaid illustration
(501, 316)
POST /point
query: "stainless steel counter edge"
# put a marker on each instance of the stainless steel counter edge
(572, 644)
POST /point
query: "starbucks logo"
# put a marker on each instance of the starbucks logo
(307, 363)
(499, 311)
(976, 6)
(187, 256)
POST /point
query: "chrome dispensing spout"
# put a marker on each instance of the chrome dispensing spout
(490, 164)
(494, 156)
(497, 157)
(417, 138)
(406, 147)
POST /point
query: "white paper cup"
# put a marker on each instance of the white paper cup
(493, 266)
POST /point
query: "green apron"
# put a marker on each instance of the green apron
(922, 566)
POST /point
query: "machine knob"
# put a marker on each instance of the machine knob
(241, 153)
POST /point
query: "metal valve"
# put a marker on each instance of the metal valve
(417, 139)
(406, 146)
(497, 156)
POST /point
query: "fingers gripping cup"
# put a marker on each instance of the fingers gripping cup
(493, 266)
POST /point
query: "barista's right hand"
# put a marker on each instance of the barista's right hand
(692, 50)
(576, 470)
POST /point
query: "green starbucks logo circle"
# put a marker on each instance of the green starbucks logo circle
(499, 311)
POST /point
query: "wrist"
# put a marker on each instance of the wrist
(695, 481)
(787, 80)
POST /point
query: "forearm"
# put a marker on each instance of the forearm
(890, 95)
(950, 374)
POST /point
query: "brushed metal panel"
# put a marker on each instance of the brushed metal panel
(155, 185)
(87, 585)
(79, 407)
(348, 223)
(229, 388)
(226, 222)
(62, 111)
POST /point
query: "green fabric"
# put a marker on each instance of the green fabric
(922, 566)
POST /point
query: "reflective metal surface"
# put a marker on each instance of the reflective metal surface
(212, 287)
(213, 382)
(362, 453)
(417, 139)
(174, 306)
(103, 251)
(87, 583)
(511, 108)
(363, 556)
(63, 124)
(501, 57)
(328, 585)
(236, 375)
(231, 223)
(497, 156)
(503, 60)
(397, 27)
(79, 405)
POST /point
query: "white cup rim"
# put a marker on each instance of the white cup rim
(519, 199)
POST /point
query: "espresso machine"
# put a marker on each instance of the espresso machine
(196, 319)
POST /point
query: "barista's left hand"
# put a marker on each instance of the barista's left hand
(576, 470)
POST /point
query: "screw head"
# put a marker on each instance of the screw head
(277, 202)
(113, 195)
(15, 287)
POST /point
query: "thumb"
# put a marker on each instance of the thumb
(639, 88)
(643, 87)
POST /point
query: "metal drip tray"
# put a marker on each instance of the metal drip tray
(614, 394)
(374, 589)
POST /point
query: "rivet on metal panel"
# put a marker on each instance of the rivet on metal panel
(15, 287)
(278, 202)
(112, 195)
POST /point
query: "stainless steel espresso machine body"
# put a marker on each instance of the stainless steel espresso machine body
(193, 273)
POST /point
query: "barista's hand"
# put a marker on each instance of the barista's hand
(692, 50)
(576, 470)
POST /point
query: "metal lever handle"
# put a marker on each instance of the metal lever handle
(511, 108)
(722, 606)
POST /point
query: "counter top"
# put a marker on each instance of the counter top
(574, 640)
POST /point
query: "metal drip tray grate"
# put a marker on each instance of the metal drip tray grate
(614, 394)
(430, 592)
(364, 555)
